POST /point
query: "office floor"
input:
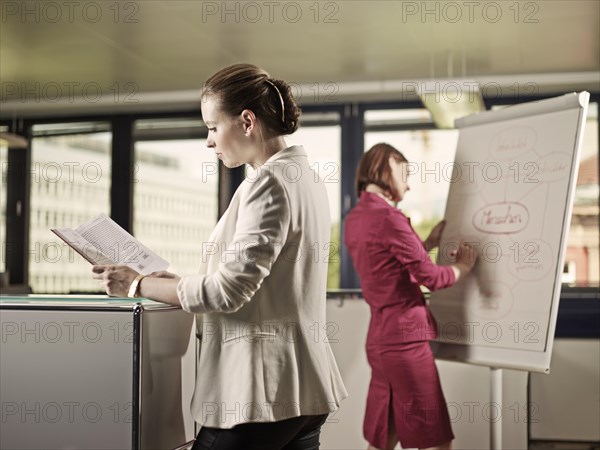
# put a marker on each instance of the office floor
(547, 445)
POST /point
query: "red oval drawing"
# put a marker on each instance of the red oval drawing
(501, 218)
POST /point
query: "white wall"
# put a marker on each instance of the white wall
(568, 399)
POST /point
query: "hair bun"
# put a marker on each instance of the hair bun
(292, 112)
(246, 86)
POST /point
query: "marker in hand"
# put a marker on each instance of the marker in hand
(465, 258)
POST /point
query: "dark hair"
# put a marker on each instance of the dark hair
(245, 86)
(374, 168)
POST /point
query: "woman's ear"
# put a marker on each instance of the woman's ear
(248, 120)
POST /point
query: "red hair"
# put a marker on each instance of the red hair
(374, 168)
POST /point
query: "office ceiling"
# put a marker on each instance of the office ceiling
(52, 52)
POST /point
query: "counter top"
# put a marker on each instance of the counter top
(78, 302)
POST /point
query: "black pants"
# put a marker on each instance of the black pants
(297, 433)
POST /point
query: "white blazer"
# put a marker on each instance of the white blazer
(260, 301)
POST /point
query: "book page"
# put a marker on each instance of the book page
(111, 240)
(86, 249)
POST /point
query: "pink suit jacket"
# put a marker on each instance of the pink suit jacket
(392, 263)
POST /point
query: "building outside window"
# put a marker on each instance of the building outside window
(175, 199)
(582, 259)
(70, 183)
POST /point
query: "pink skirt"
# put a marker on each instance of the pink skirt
(405, 383)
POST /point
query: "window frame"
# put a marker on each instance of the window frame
(351, 121)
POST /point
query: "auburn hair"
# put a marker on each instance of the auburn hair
(374, 168)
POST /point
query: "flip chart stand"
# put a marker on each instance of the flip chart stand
(496, 400)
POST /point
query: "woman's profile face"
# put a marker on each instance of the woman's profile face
(400, 176)
(226, 134)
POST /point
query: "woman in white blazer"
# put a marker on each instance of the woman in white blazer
(267, 378)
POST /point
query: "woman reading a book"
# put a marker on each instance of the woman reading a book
(264, 381)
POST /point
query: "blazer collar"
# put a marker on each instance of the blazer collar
(369, 198)
(289, 152)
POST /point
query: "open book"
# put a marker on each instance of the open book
(103, 241)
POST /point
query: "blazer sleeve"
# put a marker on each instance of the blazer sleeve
(261, 230)
(408, 248)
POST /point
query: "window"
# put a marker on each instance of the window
(3, 173)
(430, 153)
(583, 242)
(65, 156)
(175, 189)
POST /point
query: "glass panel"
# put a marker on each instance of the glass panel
(431, 155)
(4, 169)
(175, 199)
(431, 151)
(70, 184)
(323, 145)
(582, 262)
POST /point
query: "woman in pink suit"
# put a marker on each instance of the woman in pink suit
(405, 401)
